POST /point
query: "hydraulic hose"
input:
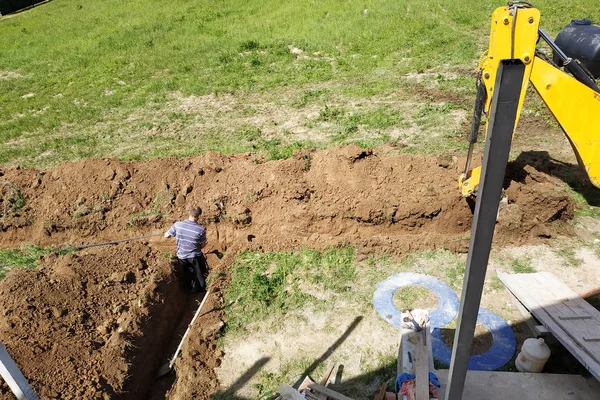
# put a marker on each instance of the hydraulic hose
(477, 112)
(571, 65)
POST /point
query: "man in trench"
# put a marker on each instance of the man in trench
(190, 239)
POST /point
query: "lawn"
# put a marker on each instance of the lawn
(142, 79)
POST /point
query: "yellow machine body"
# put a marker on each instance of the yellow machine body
(576, 107)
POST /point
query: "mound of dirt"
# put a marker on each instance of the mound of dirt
(88, 325)
(535, 202)
(377, 202)
(80, 325)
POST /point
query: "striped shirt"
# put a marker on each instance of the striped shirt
(189, 236)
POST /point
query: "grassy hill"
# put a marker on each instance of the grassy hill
(141, 79)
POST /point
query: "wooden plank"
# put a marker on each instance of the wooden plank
(406, 359)
(549, 291)
(547, 296)
(14, 378)
(531, 324)
(572, 296)
(541, 330)
(572, 317)
(305, 383)
(330, 393)
(575, 328)
(512, 283)
(324, 381)
(422, 367)
(381, 394)
(495, 385)
(326, 376)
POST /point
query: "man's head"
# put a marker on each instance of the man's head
(195, 213)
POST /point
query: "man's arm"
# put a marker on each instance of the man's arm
(203, 241)
(171, 232)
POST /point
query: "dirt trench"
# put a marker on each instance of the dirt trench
(81, 325)
(75, 325)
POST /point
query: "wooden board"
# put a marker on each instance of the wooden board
(576, 320)
(531, 324)
(330, 393)
(548, 299)
(13, 377)
(415, 355)
(324, 380)
(496, 385)
(422, 367)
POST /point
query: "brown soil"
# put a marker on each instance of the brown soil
(79, 326)
(62, 321)
(376, 202)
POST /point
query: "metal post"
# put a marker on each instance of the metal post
(14, 378)
(504, 107)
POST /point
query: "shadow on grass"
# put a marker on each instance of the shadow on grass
(311, 368)
(229, 393)
(241, 381)
(21, 7)
(369, 383)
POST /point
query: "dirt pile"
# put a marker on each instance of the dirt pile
(80, 326)
(377, 202)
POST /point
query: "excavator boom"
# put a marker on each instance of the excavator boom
(575, 103)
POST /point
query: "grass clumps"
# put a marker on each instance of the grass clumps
(268, 381)
(158, 210)
(25, 257)
(11, 198)
(270, 284)
(522, 266)
(414, 296)
(104, 85)
(569, 257)
(455, 275)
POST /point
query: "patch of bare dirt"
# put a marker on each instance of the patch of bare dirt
(5, 75)
(91, 324)
(377, 202)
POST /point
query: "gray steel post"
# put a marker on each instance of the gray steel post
(503, 113)
(14, 378)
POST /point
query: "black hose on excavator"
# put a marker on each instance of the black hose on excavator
(477, 112)
(117, 241)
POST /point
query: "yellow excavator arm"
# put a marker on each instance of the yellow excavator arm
(575, 103)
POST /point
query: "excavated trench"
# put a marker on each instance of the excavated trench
(99, 323)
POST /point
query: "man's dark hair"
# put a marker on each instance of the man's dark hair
(195, 212)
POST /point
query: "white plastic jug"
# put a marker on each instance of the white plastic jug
(533, 356)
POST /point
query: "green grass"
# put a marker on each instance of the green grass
(585, 195)
(12, 198)
(495, 284)
(287, 373)
(25, 257)
(569, 257)
(455, 275)
(522, 266)
(268, 284)
(106, 78)
(413, 296)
